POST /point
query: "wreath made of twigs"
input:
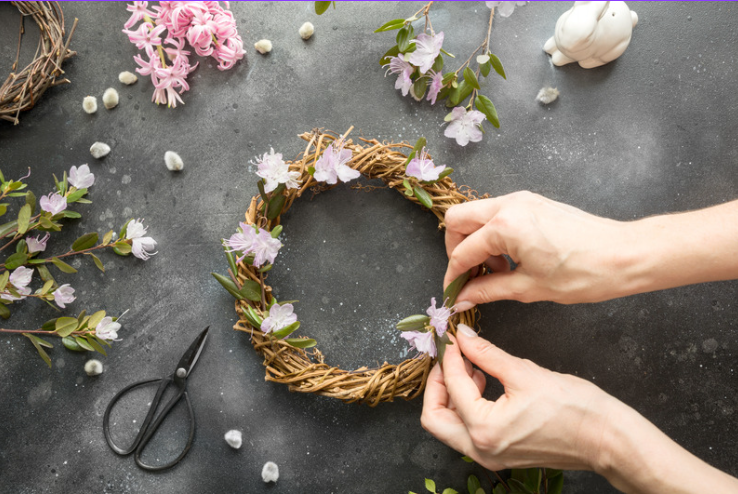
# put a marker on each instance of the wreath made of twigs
(22, 89)
(306, 371)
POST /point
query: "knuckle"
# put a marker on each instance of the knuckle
(452, 217)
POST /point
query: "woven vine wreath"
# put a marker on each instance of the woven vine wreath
(21, 90)
(304, 369)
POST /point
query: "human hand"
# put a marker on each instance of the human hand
(562, 253)
(544, 419)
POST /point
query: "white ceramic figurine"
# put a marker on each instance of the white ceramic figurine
(591, 33)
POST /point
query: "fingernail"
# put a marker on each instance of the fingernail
(466, 331)
(463, 306)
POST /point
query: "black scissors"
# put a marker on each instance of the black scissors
(179, 378)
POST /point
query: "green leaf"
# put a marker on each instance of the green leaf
(430, 486)
(76, 195)
(301, 342)
(311, 170)
(497, 65)
(4, 279)
(484, 68)
(404, 36)
(499, 489)
(441, 342)
(85, 242)
(445, 173)
(71, 344)
(553, 472)
(276, 231)
(7, 228)
(406, 184)
(95, 345)
(419, 87)
(453, 289)
(229, 285)
(286, 331)
(24, 216)
(124, 229)
(4, 311)
(252, 317)
(37, 342)
(262, 191)
(47, 286)
(391, 25)
(31, 201)
(449, 490)
(448, 78)
(447, 53)
(63, 266)
(3, 209)
(66, 326)
(555, 484)
(251, 290)
(97, 261)
(470, 78)
(43, 271)
(71, 214)
(121, 247)
(266, 268)
(485, 106)
(467, 459)
(107, 237)
(480, 491)
(438, 63)
(423, 196)
(275, 206)
(419, 144)
(413, 323)
(409, 158)
(84, 344)
(15, 260)
(21, 246)
(321, 7)
(95, 319)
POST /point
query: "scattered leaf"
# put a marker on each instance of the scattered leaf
(472, 484)
(430, 486)
(467, 459)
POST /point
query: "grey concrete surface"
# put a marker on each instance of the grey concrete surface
(651, 133)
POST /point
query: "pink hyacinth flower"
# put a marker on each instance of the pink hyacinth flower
(146, 36)
(138, 12)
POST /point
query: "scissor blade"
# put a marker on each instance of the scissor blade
(189, 359)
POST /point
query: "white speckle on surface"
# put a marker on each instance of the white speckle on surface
(233, 438)
(263, 46)
(126, 180)
(99, 149)
(89, 104)
(110, 98)
(127, 78)
(173, 161)
(547, 95)
(270, 472)
(93, 367)
(306, 30)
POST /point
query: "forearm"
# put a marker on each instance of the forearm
(681, 249)
(637, 458)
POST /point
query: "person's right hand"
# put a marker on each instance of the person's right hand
(562, 253)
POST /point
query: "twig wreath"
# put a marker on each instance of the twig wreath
(329, 158)
(22, 90)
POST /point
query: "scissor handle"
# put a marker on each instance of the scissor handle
(151, 430)
(144, 424)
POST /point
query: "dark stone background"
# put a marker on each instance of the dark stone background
(653, 132)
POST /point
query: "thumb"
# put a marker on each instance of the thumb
(491, 359)
(510, 285)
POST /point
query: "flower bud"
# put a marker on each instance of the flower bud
(110, 98)
(127, 78)
(263, 46)
(99, 149)
(233, 438)
(93, 367)
(173, 161)
(89, 104)
(307, 30)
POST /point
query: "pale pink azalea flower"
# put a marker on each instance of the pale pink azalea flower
(428, 49)
(265, 248)
(81, 177)
(53, 203)
(423, 168)
(275, 171)
(332, 166)
(423, 342)
(63, 295)
(37, 244)
(439, 316)
(435, 86)
(280, 316)
(20, 278)
(146, 36)
(107, 329)
(141, 247)
(505, 9)
(138, 12)
(398, 65)
(243, 240)
(464, 126)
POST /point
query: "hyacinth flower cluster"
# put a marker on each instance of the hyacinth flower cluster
(259, 247)
(164, 33)
(417, 61)
(26, 239)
